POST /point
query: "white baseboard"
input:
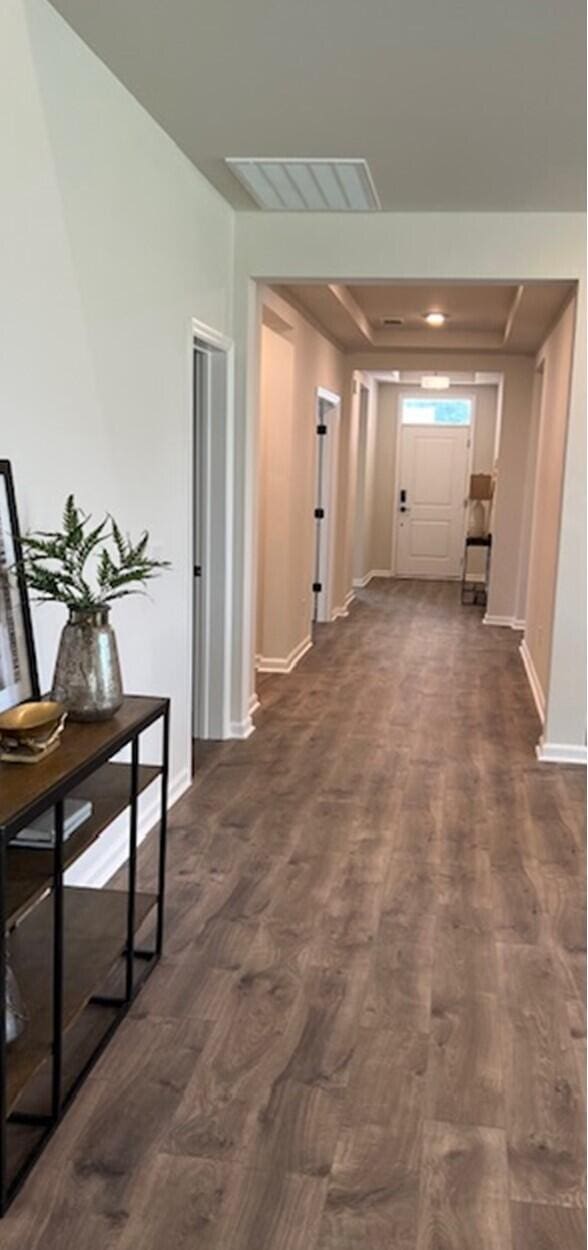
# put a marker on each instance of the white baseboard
(111, 850)
(508, 622)
(254, 704)
(344, 611)
(242, 728)
(275, 664)
(361, 582)
(533, 680)
(560, 753)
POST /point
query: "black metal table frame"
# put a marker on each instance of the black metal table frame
(55, 797)
(477, 590)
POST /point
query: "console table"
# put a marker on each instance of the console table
(476, 592)
(79, 955)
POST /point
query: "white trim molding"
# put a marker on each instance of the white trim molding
(111, 851)
(211, 701)
(275, 664)
(507, 622)
(533, 679)
(243, 728)
(361, 582)
(344, 611)
(560, 753)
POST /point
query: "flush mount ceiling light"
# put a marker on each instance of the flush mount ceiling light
(435, 382)
(435, 318)
(317, 185)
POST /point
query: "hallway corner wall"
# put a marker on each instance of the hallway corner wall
(295, 361)
(363, 493)
(384, 477)
(555, 357)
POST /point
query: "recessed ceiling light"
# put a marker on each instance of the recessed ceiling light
(340, 185)
(435, 382)
(435, 318)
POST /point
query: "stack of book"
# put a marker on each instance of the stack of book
(41, 833)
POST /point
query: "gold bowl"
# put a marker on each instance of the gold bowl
(31, 719)
(31, 730)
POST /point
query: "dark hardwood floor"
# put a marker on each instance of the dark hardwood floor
(367, 1032)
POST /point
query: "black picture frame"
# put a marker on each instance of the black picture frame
(15, 611)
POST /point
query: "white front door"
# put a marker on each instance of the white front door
(431, 500)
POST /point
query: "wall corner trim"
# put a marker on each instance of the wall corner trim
(560, 753)
(506, 622)
(344, 611)
(361, 582)
(278, 664)
(242, 728)
(533, 680)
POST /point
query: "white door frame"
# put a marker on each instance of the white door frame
(412, 393)
(328, 524)
(359, 528)
(212, 718)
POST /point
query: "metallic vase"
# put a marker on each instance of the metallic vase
(87, 671)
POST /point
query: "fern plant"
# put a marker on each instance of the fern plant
(84, 566)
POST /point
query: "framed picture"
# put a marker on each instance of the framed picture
(18, 665)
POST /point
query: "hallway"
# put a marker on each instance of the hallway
(367, 1031)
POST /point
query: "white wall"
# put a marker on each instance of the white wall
(385, 476)
(362, 492)
(296, 359)
(112, 243)
(276, 629)
(402, 246)
(554, 360)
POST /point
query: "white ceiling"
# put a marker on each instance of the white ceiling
(461, 104)
(481, 316)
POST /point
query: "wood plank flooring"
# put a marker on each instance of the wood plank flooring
(368, 1030)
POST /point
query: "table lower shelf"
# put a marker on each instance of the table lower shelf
(94, 942)
(30, 871)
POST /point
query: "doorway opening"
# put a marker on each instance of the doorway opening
(328, 407)
(211, 533)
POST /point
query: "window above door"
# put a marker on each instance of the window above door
(417, 410)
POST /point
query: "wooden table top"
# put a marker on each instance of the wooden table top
(27, 789)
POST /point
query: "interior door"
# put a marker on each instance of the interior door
(432, 499)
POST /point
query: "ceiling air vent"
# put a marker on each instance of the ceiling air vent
(317, 185)
(392, 321)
